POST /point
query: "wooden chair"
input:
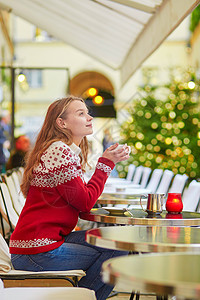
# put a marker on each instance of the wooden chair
(14, 195)
(17, 181)
(20, 172)
(7, 210)
(14, 278)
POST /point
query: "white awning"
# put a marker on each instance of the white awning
(119, 33)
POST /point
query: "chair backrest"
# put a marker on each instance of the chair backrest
(20, 171)
(5, 258)
(191, 196)
(13, 193)
(154, 180)
(50, 293)
(145, 177)
(178, 183)
(1, 284)
(131, 171)
(15, 179)
(138, 174)
(165, 182)
(21, 197)
(5, 197)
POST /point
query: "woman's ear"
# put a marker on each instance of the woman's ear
(61, 123)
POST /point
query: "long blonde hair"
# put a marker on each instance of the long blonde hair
(50, 133)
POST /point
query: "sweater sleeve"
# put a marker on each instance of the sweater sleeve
(63, 172)
(83, 196)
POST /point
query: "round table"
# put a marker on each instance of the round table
(113, 200)
(139, 217)
(125, 192)
(146, 238)
(164, 274)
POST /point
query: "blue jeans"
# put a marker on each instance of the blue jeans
(74, 253)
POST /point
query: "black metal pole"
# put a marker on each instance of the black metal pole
(12, 106)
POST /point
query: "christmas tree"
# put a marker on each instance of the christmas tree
(163, 128)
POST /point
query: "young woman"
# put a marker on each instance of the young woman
(55, 192)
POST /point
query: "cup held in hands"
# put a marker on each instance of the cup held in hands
(125, 146)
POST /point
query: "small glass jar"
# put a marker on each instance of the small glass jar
(174, 204)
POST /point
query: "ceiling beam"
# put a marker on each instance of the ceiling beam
(118, 11)
(5, 7)
(6, 33)
(166, 19)
(136, 5)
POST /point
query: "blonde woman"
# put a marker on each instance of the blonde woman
(55, 192)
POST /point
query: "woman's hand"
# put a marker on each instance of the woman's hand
(116, 154)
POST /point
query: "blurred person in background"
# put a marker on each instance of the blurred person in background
(107, 139)
(5, 136)
(2, 155)
(5, 123)
(17, 156)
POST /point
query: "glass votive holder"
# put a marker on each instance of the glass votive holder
(174, 204)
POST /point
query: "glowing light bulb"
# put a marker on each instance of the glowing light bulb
(21, 77)
(92, 92)
(98, 100)
(191, 85)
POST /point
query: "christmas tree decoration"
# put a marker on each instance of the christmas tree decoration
(164, 127)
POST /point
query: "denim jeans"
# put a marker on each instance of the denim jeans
(74, 253)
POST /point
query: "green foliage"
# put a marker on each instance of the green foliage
(5, 78)
(163, 129)
(195, 18)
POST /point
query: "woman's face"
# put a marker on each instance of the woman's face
(78, 120)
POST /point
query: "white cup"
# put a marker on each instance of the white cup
(129, 148)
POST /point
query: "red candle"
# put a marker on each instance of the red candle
(174, 203)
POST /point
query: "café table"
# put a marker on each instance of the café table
(124, 183)
(146, 238)
(125, 192)
(113, 181)
(139, 217)
(164, 274)
(116, 201)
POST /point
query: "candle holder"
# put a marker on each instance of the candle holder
(174, 204)
(174, 216)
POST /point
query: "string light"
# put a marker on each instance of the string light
(138, 145)
(168, 141)
(92, 92)
(154, 125)
(98, 100)
(148, 115)
(172, 114)
(165, 132)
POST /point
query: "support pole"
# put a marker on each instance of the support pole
(12, 106)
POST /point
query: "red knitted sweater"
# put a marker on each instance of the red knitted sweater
(57, 194)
